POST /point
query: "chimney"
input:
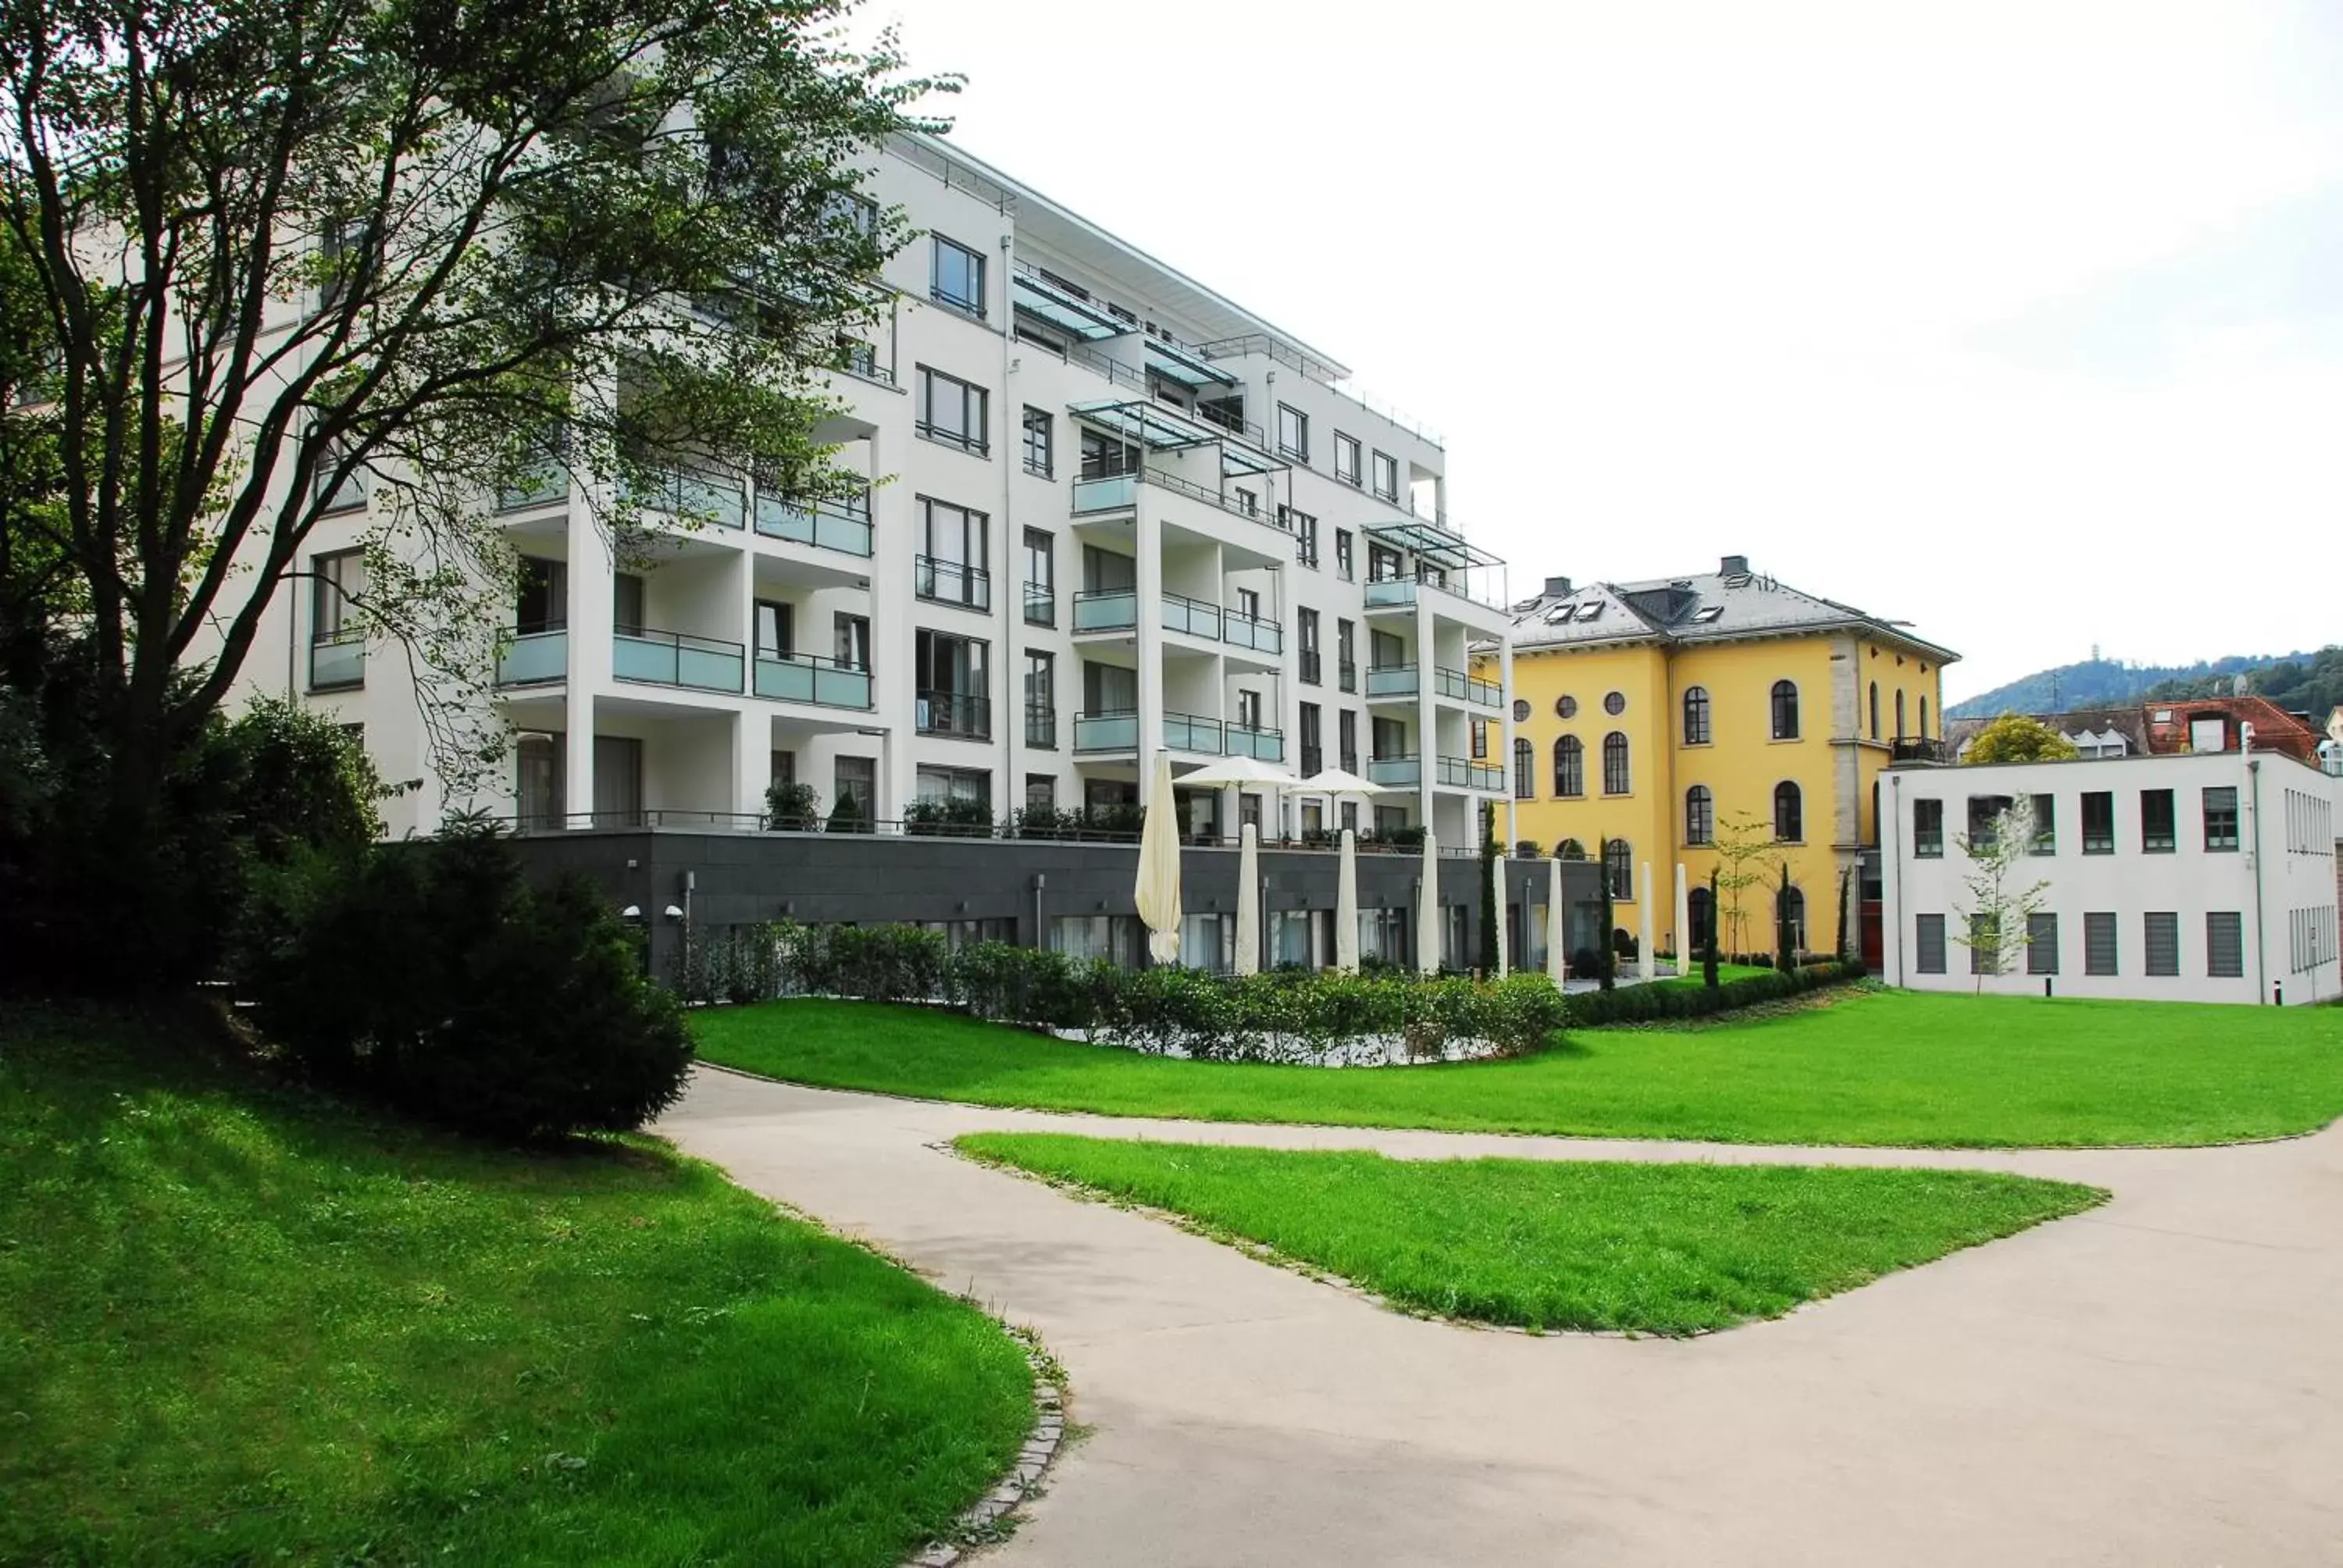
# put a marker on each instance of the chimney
(1734, 567)
(1557, 588)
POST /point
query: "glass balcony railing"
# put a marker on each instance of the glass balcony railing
(544, 483)
(1250, 631)
(1399, 772)
(1391, 593)
(535, 657)
(960, 713)
(1040, 604)
(1108, 609)
(1459, 773)
(1189, 732)
(952, 582)
(1462, 688)
(676, 659)
(1347, 675)
(1263, 744)
(1040, 727)
(337, 660)
(1106, 732)
(702, 497)
(1111, 493)
(1392, 681)
(807, 678)
(1192, 615)
(837, 526)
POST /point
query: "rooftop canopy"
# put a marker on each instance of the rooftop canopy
(1160, 429)
(1064, 309)
(1431, 542)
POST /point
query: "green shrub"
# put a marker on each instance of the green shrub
(1646, 1003)
(847, 816)
(793, 808)
(948, 818)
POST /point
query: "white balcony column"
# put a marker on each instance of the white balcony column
(1427, 728)
(1649, 962)
(1505, 756)
(1682, 937)
(894, 613)
(752, 761)
(588, 655)
(1147, 635)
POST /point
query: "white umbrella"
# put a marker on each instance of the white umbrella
(1497, 875)
(1238, 771)
(1557, 963)
(1248, 901)
(1427, 910)
(1157, 890)
(1346, 906)
(1335, 781)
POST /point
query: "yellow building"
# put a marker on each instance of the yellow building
(1649, 715)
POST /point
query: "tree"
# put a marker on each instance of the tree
(1845, 880)
(1786, 936)
(269, 251)
(1995, 924)
(1490, 850)
(1740, 840)
(1708, 953)
(2015, 738)
(1608, 971)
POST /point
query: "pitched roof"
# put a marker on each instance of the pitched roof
(1709, 606)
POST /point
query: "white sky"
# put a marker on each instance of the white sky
(2019, 319)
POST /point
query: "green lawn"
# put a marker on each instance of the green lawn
(1560, 1244)
(241, 1324)
(1895, 1067)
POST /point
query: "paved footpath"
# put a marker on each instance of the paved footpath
(2157, 1382)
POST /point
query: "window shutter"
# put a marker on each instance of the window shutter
(2042, 944)
(2163, 942)
(1930, 933)
(2099, 944)
(2224, 944)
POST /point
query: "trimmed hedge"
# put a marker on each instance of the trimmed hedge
(1644, 1003)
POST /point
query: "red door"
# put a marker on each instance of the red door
(1875, 945)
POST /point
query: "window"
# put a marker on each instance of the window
(2157, 834)
(936, 784)
(1615, 764)
(953, 555)
(1568, 769)
(855, 779)
(1343, 568)
(1346, 731)
(2098, 822)
(1306, 536)
(2162, 927)
(1041, 792)
(1041, 578)
(2224, 944)
(1525, 770)
(1292, 432)
(1928, 944)
(1346, 666)
(958, 277)
(1790, 910)
(1695, 715)
(1924, 718)
(1104, 456)
(850, 641)
(954, 412)
(1041, 442)
(1619, 868)
(1700, 816)
(2099, 943)
(1042, 701)
(773, 630)
(1875, 709)
(1786, 710)
(1383, 564)
(1520, 705)
(1247, 501)
(950, 675)
(2042, 944)
(1899, 715)
(1984, 819)
(1789, 813)
(1249, 604)
(1306, 627)
(627, 604)
(1928, 830)
(1248, 710)
(336, 645)
(1387, 476)
(1614, 703)
(350, 494)
(1346, 458)
(2221, 818)
(1312, 729)
(2046, 825)
(1478, 728)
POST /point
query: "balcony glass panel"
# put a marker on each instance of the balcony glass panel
(1115, 610)
(676, 659)
(802, 677)
(1392, 681)
(1265, 745)
(1106, 732)
(1399, 772)
(1111, 494)
(1188, 732)
(1462, 773)
(336, 661)
(535, 659)
(831, 525)
(706, 497)
(1192, 615)
(1391, 593)
(1245, 632)
(542, 484)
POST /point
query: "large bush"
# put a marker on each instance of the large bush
(433, 977)
(1646, 1003)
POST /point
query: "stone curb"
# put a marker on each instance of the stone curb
(980, 1522)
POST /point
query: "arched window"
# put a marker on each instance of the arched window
(1615, 763)
(1568, 769)
(1789, 813)
(1704, 922)
(1619, 868)
(1899, 715)
(1790, 907)
(1875, 710)
(1786, 710)
(1525, 770)
(1696, 716)
(1700, 816)
(1924, 718)
(1570, 850)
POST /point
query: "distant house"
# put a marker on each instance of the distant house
(2168, 728)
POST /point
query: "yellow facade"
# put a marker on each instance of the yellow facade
(1834, 760)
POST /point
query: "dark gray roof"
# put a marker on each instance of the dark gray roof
(1709, 606)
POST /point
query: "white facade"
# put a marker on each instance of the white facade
(2200, 877)
(1108, 509)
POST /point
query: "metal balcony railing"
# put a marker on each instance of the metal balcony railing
(1399, 772)
(682, 493)
(1192, 732)
(1460, 687)
(1114, 730)
(1346, 674)
(1392, 681)
(1194, 617)
(831, 525)
(1263, 745)
(651, 656)
(1040, 604)
(808, 678)
(336, 661)
(1461, 773)
(1040, 727)
(535, 659)
(1106, 610)
(1241, 630)
(1312, 666)
(954, 582)
(956, 713)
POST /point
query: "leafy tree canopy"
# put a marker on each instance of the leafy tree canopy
(2015, 738)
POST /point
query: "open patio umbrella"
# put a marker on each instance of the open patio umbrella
(1157, 890)
(1248, 901)
(1557, 963)
(1238, 771)
(1346, 906)
(1427, 910)
(1336, 781)
(1497, 875)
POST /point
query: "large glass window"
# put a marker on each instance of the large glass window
(1041, 442)
(1875, 710)
(1292, 432)
(1042, 701)
(1525, 770)
(953, 688)
(1569, 768)
(1619, 868)
(850, 641)
(2098, 822)
(952, 553)
(1387, 476)
(954, 412)
(2221, 818)
(2046, 825)
(1789, 813)
(1786, 710)
(1615, 780)
(773, 630)
(1104, 456)
(2157, 834)
(1346, 458)
(1696, 716)
(1041, 578)
(1700, 816)
(1343, 568)
(1928, 830)
(958, 278)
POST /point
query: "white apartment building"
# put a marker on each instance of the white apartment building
(1111, 510)
(2204, 876)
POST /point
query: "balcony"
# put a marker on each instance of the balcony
(337, 662)
(1459, 686)
(1397, 772)
(1240, 630)
(806, 677)
(1346, 674)
(1040, 727)
(953, 583)
(1106, 610)
(1389, 680)
(1459, 773)
(1391, 593)
(1261, 745)
(1312, 666)
(1113, 731)
(1108, 493)
(1040, 604)
(962, 714)
(1908, 749)
(543, 483)
(833, 525)
(1193, 616)
(654, 658)
(535, 659)
(1190, 732)
(699, 497)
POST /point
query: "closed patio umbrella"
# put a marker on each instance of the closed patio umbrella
(1557, 963)
(1157, 890)
(1248, 901)
(1346, 906)
(1427, 910)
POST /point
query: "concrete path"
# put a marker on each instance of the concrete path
(2158, 1381)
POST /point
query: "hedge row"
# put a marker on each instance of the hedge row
(1643, 1003)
